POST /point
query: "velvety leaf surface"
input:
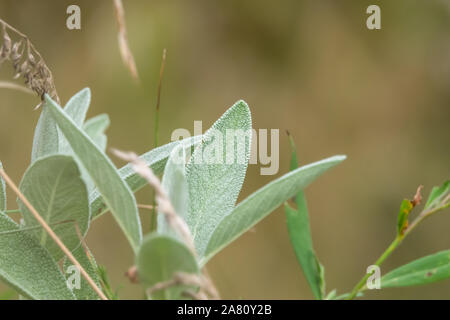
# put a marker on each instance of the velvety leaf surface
(28, 267)
(55, 189)
(159, 258)
(85, 292)
(262, 202)
(215, 173)
(175, 184)
(155, 159)
(115, 192)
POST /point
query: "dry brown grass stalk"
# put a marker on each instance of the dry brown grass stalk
(125, 51)
(27, 62)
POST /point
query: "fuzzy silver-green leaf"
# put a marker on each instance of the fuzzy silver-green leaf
(262, 202)
(55, 189)
(115, 192)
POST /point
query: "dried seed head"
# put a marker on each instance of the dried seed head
(27, 62)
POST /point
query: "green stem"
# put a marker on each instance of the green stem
(424, 214)
(380, 260)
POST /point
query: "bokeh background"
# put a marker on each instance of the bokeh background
(312, 67)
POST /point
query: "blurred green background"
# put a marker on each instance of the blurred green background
(312, 67)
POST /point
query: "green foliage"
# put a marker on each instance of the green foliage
(437, 195)
(71, 179)
(95, 128)
(115, 192)
(214, 182)
(300, 235)
(159, 258)
(259, 204)
(46, 140)
(55, 189)
(429, 269)
(175, 184)
(402, 220)
(156, 159)
(85, 292)
(27, 267)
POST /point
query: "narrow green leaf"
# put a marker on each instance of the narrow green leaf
(155, 159)
(55, 189)
(259, 204)
(216, 172)
(95, 128)
(437, 194)
(159, 258)
(175, 184)
(46, 139)
(432, 268)
(116, 194)
(2, 192)
(402, 220)
(27, 267)
(300, 235)
(85, 291)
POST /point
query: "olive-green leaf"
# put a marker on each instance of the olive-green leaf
(300, 235)
(159, 259)
(115, 192)
(85, 291)
(429, 269)
(438, 194)
(262, 202)
(46, 139)
(55, 189)
(155, 159)
(216, 172)
(28, 267)
(402, 218)
(2, 192)
(175, 184)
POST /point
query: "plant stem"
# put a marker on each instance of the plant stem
(394, 245)
(52, 234)
(156, 133)
(380, 260)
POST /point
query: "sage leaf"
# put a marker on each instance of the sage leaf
(55, 189)
(95, 129)
(429, 269)
(262, 202)
(216, 172)
(156, 159)
(28, 267)
(159, 258)
(46, 139)
(115, 192)
(76, 108)
(175, 185)
(85, 291)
